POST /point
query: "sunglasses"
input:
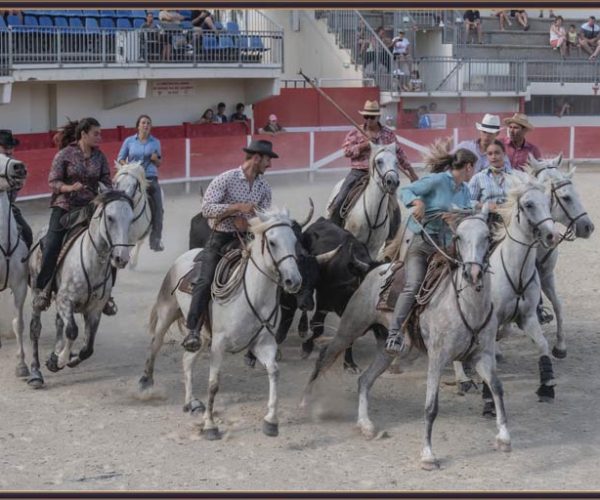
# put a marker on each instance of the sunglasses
(371, 117)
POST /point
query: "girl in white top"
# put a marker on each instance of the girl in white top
(558, 36)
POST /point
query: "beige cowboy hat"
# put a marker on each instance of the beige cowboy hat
(371, 108)
(519, 119)
(489, 124)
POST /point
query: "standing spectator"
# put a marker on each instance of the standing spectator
(472, 21)
(272, 127)
(572, 38)
(220, 117)
(517, 148)
(423, 118)
(489, 128)
(502, 18)
(149, 23)
(203, 20)
(207, 117)
(558, 36)
(400, 50)
(145, 148)
(589, 35)
(239, 115)
(521, 17)
(150, 37)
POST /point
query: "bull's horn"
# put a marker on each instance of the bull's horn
(324, 258)
(363, 266)
(311, 211)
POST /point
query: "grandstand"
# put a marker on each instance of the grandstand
(71, 63)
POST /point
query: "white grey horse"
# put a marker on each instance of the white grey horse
(567, 209)
(14, 273)
(458, 323)
(247, 318)
(527, 223)
(368, 220)
(84, 281)
(132, 176)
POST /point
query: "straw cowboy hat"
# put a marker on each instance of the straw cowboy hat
(519, 119)
(371, 108)
(490, 124)
(262, 148)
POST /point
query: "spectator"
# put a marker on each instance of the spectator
(170, 17)
(563, 107)
(149, 23)
(432, 107)
(551, 14)
(415, 84)
(203, 20)
(517, 148)
(239, 115)
(401, 53)
(220, 117)
(572, 38)
(589, 35)
(472, 20)
(18, 13)
(362, 41)
(424, 120)
(207, 117)
(272, 126)
(502, 18)
(150, 37)
(521, 17)
(558, 36)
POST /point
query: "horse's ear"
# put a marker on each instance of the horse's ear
(571, 171)
(558, 159)
(286, 212)
(103, 188)
(118, 166)
(262, 216)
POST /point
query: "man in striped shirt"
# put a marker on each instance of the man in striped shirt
(230, 200)
(517, 148)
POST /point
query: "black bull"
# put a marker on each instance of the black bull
(335, 278)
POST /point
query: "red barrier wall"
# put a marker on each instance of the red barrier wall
(586, 141)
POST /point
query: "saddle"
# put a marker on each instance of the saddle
(352, 197)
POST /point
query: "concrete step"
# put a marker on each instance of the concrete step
(505, 51)
(537, 24)
(517, 38)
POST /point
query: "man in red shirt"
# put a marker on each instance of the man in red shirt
(517, 148)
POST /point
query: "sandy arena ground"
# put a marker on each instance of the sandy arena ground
(87, 430)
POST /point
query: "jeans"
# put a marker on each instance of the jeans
(24, 228)
(52, 246)
(351, 179)
(156, 208)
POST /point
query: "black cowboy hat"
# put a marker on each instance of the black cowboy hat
(262, 148)
(7, 139)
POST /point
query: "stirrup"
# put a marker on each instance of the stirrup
(192, 342)
(394, 345)
(110, 308)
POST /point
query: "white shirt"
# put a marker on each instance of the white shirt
(400, 45)
(590, 31)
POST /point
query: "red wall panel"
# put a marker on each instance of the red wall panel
(587, 144)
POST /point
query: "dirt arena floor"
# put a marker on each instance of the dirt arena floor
(87, 429)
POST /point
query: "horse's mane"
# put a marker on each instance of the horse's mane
(136, 169)
(519, 183)
(257, 226)
(108, 196)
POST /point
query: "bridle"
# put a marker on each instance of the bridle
(138, 187)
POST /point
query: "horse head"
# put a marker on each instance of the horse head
(131, 179)
(384, 168)
(12, 173)
(113, 213)
(567, 207)
(275, 246)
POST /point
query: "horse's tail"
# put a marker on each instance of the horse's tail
(153, 320)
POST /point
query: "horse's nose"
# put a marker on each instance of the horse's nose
(392, 182)
(589, 229)
(551, 237)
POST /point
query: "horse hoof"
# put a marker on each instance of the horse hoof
(195, 407)
(503, 445)
(36, 381)
(353, 368)
(367, 430)
(212, 434)
(269, 429)
(250, 360)
(489, 410)
(559, 353)
(145, 383)
(545, 393)
(74, 361)
(430, 464)
(464, 387)
(22, 371)
(52, 363)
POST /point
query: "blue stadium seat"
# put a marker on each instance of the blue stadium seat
(107, 13)
(218, 25)
(232, 27)
(14, 21)
(105, 22)
(141, 14)
(30, 20)
(123, 22)
(187, 14)
(46, 21)
(91, 13)
(186, 25)
(209, 42)
(2, 23)
(61, 22)
(137, 22)
(256, 43)
(226, 42)
(91, 24)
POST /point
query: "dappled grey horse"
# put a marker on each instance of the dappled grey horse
(84, 281)
(14, 273)
(245, 318)
(368, 220)
(457, 323)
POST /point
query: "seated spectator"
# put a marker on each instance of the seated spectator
(589, 35)
(558, 36)
(415, 84)
(203, 20)
(521, 17)
(170, 17)
(272, 127)
(400, 49)
(207, 117)
(503, 19)
(150, 36)
(472, 20)
(424, 120)
(239, 115)
(220, 117)
(551, 14)
(572, 38)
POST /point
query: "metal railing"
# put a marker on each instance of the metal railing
(301, 83)
(59, 46)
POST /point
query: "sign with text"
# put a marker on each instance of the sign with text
(173, 87)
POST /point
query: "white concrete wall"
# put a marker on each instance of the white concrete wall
(28, 109)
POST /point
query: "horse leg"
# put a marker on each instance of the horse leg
(161, 318)
(211, 431)
(434, 375)
(192, 405)
(317, 326)
(549, 288)
(61, 356)
(92, 321)
(18, 324)
(349, 364)
(266, 352)
(464, 383)
(380, 364)
(532, 327)
(486, 369)
(36, 380)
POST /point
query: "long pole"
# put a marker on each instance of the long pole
(334, 104)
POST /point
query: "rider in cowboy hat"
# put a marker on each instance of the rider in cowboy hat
(358, 148)
(7, 145)
(489, 128)
(230, 200)
(517, 148)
